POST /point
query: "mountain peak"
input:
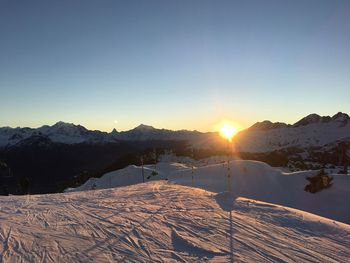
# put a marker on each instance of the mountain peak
(63, 124)
(340, 116)
(311, 118)
(268, 125)
(143, 127)
(68, 126)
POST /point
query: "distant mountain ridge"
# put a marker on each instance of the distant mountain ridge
(69, 133)
(265, 136)
(67, 153)
(340, 117)
(311, 131)
(268, 125)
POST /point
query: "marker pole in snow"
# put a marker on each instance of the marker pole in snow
(229, 188)
(343, 156)
(192, 168)
(143, 172)
(155, 160)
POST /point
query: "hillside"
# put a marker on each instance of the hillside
(160, 221)
(249, 179)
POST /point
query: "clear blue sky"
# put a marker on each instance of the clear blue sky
(172, 64)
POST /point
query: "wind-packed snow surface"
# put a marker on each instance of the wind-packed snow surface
(249, 179)
(163, 222)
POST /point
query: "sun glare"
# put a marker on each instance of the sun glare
(228, 131)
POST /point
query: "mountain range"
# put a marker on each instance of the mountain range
(312, 130)
(63, 155)
(69, 133)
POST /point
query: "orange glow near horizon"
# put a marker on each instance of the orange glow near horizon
(228, 131)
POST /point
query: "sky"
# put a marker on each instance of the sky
(172, 64)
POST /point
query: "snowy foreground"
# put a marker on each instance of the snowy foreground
(162, 221)
(249, 179)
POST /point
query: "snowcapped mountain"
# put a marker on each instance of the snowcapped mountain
(61, 132)
(145, 132)
(311, 131)
(69, 133)
(268, 125)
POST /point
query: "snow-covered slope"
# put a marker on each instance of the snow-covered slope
(250, 179)
(163, 222)
(259, 181)
(129, 176)
(312, 130)
(69, 133)
(133, 174)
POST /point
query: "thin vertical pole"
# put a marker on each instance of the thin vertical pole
(143, 172)
(229, 187)
(192, 168)
(155, 160)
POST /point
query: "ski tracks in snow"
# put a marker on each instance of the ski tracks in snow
(158, 222)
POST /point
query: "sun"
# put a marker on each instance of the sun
(228, 131)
